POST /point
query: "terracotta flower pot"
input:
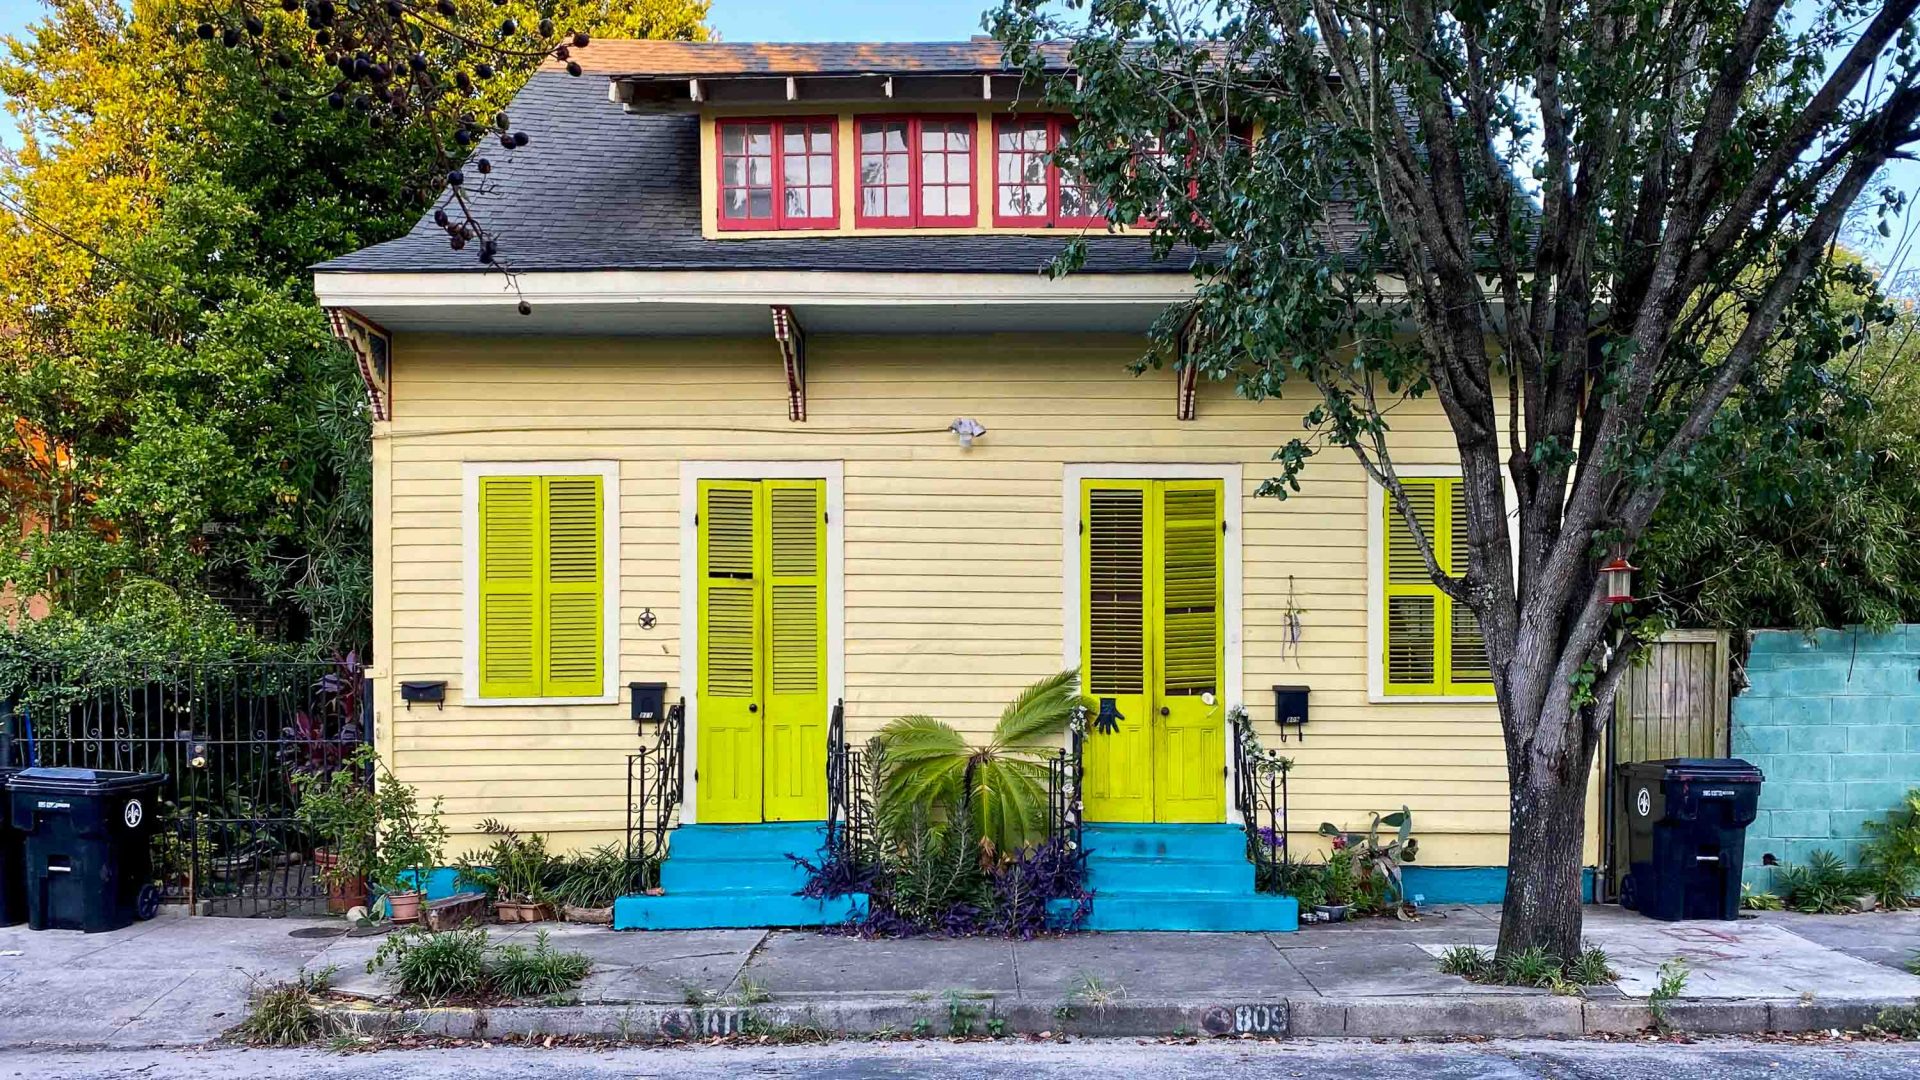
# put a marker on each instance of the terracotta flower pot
(508, 911)
(405, 906)
(343, 894)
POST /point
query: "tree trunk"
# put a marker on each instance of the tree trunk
(1546, 836)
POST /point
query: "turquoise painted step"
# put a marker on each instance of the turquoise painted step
(706, 911)
(1204, 843)
(1154, 877)
(771, 840)
(1195, 913)
(681, 874)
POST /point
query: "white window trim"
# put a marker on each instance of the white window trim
(1232, 496)
(1377, 593)
(691, 473)
(609, 474)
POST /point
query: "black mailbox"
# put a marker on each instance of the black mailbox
(649, 701)
(1290, 705)
(429, 693)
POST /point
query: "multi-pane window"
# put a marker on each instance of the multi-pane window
(915, 171)
(1029, 189)
(777, 174)
(1433, 644)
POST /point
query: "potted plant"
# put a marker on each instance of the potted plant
(516, 871)
(409, 845)
(339, 807)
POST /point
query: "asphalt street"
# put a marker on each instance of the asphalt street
(934, 1060)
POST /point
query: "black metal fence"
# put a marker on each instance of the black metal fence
(1260, 794)
(850, 827)
(655, 786)
(1064, 799)
(229, 739)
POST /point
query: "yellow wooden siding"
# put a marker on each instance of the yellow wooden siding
(953, 587)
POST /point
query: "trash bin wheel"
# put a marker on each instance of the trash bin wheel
(147, 904)
(1628, 899)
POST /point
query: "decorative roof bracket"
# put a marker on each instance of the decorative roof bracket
(793, 355)
(372, 349)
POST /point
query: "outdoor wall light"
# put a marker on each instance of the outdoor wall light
(968, 429)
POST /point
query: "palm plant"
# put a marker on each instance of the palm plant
(928, 770)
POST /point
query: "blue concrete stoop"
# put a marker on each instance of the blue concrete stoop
(718, 876)
(1175, 877)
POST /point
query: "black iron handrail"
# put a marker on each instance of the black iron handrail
(849, 794)
(1065, 806)
(1260, 794)
(656, 785)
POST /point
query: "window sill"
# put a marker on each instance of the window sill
(1374, 698)
(523, 702)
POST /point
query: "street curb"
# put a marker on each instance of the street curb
(1482, 1016)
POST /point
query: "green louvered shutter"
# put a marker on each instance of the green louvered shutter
(510, 543)
(1413, 602)
(1467, 669)
(572, 661)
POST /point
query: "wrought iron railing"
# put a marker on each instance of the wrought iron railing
(228, 739)
(1065, 772)
(850, 835)
(1260, 794)
(656, 784)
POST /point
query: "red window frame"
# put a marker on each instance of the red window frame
(917, 215)
(1057, 128)
(778, 219)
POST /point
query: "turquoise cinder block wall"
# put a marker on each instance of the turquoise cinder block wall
(1834, 722)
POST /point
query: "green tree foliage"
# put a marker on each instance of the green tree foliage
(1583, 228)
(172, 406)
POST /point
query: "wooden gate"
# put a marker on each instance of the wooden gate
(1672, 704)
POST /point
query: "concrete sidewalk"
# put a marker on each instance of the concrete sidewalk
(182, 981)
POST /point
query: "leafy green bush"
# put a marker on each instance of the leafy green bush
(435, 966)
(1890, 859)
(461, 964)
(516, 971)
(1762, 900)
(932, 869)
(1823, 885)
(1899, 1021)
(1531, 967)
(596, 877)
(1467, 961)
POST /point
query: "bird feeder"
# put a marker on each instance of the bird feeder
(1618, 573)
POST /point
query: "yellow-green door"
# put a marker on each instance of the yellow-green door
(1153, 650)
(762, 704)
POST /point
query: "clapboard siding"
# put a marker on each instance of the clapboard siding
(952, 559)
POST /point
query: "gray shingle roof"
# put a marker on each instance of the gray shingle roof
(599, 189)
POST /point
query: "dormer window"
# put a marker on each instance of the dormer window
(915, 171)
(778, 174)
(1029, 189)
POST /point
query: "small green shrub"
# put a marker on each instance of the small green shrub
(1672, 983)
(596, 877)
(433, 966)
(1532, 966)
(1467, 961)
(1899, 1021)
(932, 869)
(1592, 968)
(1823, 885)
(1759, 901)
(513, 869)
(1890, 859)
(516, 971)
(284, 1013)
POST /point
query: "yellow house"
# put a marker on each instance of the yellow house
(796, 427)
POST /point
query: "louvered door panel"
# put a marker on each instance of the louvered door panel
(1117, 616)
(509, 586)
(574, 627)
(1189, 746)
(728, 742)
(796, 634)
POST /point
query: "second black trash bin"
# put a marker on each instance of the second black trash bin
(13, 866)
(1687, 824)
(88, 836)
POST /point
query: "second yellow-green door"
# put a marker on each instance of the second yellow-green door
(1153, 649)
(762, 697)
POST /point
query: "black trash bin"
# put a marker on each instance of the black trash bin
(1687, 824)
(13, 865)
(88, 833)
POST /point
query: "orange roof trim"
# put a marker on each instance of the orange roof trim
(723, 59)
